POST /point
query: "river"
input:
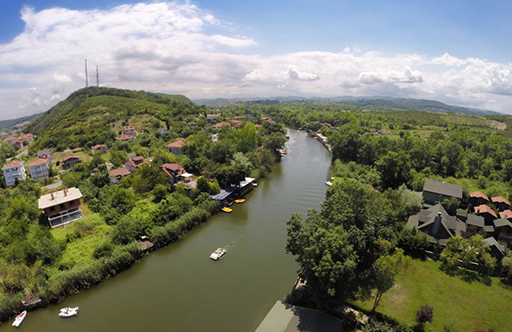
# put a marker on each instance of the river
(178, 288)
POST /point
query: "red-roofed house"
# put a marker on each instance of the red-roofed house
(176, 147)
(27, 137)
(477, 198)
(501, 203)
(133, 163)
(10, 140)
(99, 148)
(39, 168)
(486, 212)
(45, 154)
(125, 138)
(70, 161)
(117, 174)
(220, 125)
(14, 170)
(507, 214)
(173, 171)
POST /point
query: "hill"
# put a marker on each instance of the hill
(364, 102)
(100, 110)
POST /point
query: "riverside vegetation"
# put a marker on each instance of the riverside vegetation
(355, 248)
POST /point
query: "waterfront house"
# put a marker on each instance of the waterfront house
(61, 207)
(99, 148)
(437, 191)
(115, 175)
(15, 170)
(176, 147)
(39, 169)
(69, 161)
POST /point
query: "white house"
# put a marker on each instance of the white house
(14, 170)
(39, 168)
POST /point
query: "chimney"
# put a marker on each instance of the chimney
(52, 196)
(65, 192)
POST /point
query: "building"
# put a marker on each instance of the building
(130, 130)
(10, 140)
(61, 207)
(133, 163)
(174, 172)
(125, 138)
(70, 161)
(478, 198)
(99, 148)
(45, 154)
(486, 212)
(39, 169)
(117, 174)
(14, 170)
(27, 137)
(176, 147)
(500, 203)
(437, 191)
(212, 117)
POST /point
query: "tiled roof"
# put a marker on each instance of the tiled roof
(499, 199)
(124, 137)
(121, 171)
(13, 163)
(38, 161)
(176, 144)
(506, 214)
(70, 157)
(478, 194)
(485, 209)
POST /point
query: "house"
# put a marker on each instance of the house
(130, 130)
(99, 148)
(500, 203)
(10, 140)
(212, 117)
(70, 161)
(486, 212)
(176, 147)
(39, 168)
(125, 138)
(437, 224)
(133, 163)
(29, 138)
(14, 170)
(117, 174)
(215, 138)
(437, 191)
(477, 198)
(18, 145)
(61, 207)
(173, 171)
(496, 249)
(77, 149)
(192, 124)
(220, 125)
(507, 214)
(503, 231)
(45, 154)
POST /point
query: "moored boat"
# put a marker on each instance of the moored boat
(217, 254)
(241, 200)
(68, 312)
(226, 209)
(19, 319)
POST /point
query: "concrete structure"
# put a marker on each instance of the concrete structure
(39, 169)
(14, 170)
(61, 207)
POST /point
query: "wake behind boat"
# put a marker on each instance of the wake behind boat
(68, 312)
(19, 319)
(217, 254)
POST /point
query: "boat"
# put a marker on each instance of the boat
(68, 312)
(328, 183)
(217, 254)
(19, 319)
(241, 200)
(226, 209)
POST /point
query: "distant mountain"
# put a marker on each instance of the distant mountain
(14, 123)
(363, 102)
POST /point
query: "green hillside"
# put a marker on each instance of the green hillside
(99, 111)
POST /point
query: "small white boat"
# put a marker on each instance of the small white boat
(68, 312)
(328, 183)
(217, 254)
(19, 319)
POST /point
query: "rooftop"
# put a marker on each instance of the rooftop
(58, 197)
(443, 188)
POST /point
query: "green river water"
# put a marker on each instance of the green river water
(179, 288)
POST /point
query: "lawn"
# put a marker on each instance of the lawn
(466, 306)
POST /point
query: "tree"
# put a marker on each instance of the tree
(468, 251)
(424, 315)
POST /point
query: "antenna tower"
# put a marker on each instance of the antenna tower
(97, 77)
(86, 77)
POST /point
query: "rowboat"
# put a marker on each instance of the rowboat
(226, 209)
(241, 200)
(19, 319)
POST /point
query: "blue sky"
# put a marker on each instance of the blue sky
(458, 52)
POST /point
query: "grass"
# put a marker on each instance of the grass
(466, 306)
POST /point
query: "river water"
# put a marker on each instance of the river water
(178, 288)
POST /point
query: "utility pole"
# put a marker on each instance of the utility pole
(97, 77)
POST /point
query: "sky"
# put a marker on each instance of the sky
(458, 51)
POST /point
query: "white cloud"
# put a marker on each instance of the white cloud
(180, 48)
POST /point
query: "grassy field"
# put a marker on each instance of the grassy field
(466, 306)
